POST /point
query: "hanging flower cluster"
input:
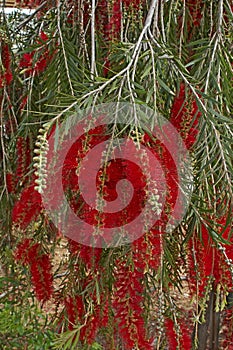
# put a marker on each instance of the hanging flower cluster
(109, 23)
(179, 335)
(77, 315)
(28, 207)
(76, 306)
(210, 262)
(109, 20)
(126, 299)
(128, 305)
(5, 66)
(113, 28)
(127, 279)
(171, 334)
(210, 268)
(30, 253)
(23, 151)
(10, 182)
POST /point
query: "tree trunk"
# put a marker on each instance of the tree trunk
(208, 332)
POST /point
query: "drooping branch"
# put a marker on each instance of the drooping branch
(136, 50)
(92, 39)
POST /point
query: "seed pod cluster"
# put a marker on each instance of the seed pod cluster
(40, 160)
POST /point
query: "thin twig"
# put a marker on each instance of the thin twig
(4, 155)
(28, 19)
(63, 48)
(217, 34)
(182, 32)
(154, 76)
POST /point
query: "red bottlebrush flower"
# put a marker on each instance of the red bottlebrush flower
(91, 256)
(6, 56)
(201, 259)
(8, 77)
(79, 307)
(220, 269)
(21, 251)
(43, 36)
(89, 331)
(113, 28)
(127, 303)
(140, 253)
(195, 9)
(147, 250)
(206, 256)
(10, 183)
(108, 18)
(27, 60)
(102, 18)
(23, 151)
(116, 16)
(185, 116)
(20, 151)
(41, 277)
(209, 261)
(71, 313)
(75, 310)
(28, 207)
(33, 252)
(171, 334)
(37, 60)
(74, 247)
(186, 335)
(27, 251)
(76, 314)
(41, 65)
(23, 102)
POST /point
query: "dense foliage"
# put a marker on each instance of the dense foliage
(165, 290)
